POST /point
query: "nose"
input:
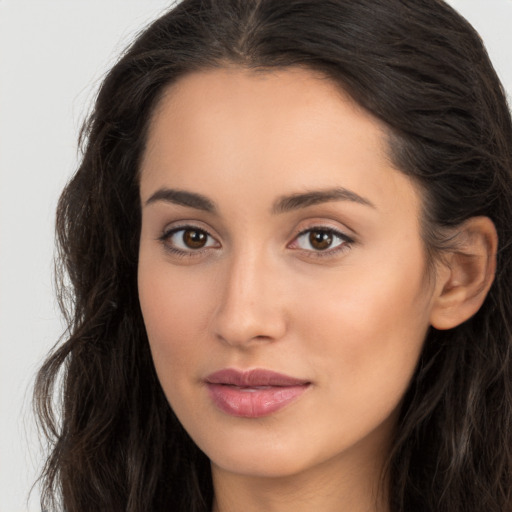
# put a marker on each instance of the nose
(251, 308)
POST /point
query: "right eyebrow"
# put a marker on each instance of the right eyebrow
(183, 198)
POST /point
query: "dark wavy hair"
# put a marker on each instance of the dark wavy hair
(416, 65)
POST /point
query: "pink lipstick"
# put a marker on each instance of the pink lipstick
(253, 393)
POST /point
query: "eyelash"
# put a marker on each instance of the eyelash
(166, 236)
(345, 241)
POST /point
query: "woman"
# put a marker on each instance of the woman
(286, 288)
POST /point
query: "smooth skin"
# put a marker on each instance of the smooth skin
(277, 234)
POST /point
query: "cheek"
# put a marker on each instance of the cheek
(175, 311)
(367, 330)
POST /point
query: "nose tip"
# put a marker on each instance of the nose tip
(251, 308)
(249, 327)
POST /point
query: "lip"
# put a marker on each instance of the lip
(253, 393)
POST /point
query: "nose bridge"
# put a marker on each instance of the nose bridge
(249, 308)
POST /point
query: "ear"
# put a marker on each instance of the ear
(465, 274)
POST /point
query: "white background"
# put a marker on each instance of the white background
(53, 54)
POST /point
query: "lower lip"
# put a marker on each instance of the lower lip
(253, 402)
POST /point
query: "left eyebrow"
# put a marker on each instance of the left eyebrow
(302, 200)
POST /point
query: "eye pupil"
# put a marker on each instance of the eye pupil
(320, 240)
(194, 239)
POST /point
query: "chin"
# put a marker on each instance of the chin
(263, 466)
(262, 456)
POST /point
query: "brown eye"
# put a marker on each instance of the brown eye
(325, 241)
(188, 240)
(320, 240)
(194, 239)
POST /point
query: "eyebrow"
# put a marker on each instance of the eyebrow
(282, 205)
(183, 198)
(305, 199)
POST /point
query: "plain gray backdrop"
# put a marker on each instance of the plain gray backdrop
(53, 54)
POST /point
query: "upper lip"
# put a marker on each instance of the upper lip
(253, 378)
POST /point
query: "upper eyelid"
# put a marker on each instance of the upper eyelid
(328, 222)
(336, 232)
(173, 228)
(167, 232)
(321, 228)
(346, 234)
(297, 232)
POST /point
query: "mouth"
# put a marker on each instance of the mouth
(254, 393)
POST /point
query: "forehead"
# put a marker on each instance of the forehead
(264, 105)
(266, 131)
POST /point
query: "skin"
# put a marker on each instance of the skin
(350, 319)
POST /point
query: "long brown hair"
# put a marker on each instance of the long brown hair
(416, 65)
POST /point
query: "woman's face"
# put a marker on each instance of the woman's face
(278, 237)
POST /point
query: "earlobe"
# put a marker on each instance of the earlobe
(466, 273)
